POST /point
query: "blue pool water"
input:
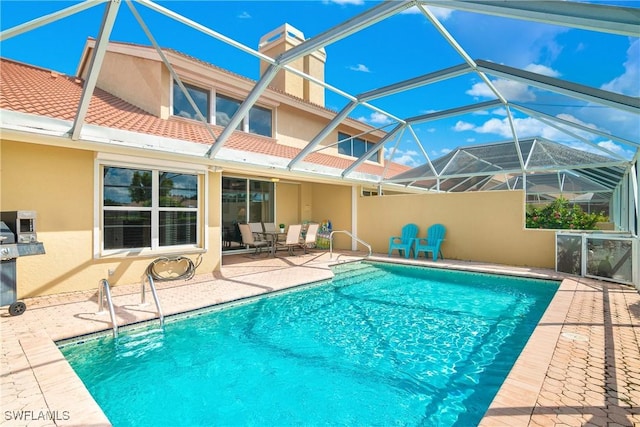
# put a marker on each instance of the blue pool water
(380, 345)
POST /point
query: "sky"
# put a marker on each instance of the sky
(401, 47)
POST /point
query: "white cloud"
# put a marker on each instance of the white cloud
(360, 67)
(439, 12)
(405, 157)
(244, 15)
(573, 119)
(379, 118)
(495, 126)
(439, 153)
(530, 127)
(542, 69)
(613, 147)
(345, 2)
(375, 118)
(512, 91)
(628, 83)
(493, 37)
(463, 126)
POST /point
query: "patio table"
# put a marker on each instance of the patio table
(272, 237)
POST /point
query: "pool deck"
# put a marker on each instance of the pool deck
(581, 367)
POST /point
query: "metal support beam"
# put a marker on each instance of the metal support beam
(594, 17)
(415, 82)
(99, 51)
(47, 19)
(244, 108)
(378, 145)
(537, 114)
(323, 133)
(574, 90)
(174, 75)
(365, 19)
(453, 112)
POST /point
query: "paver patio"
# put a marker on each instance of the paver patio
(581, 366)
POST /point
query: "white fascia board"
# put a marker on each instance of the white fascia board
(274, 164)
(101, 138)
(24, 122)
(142, 141)
(265, 165)
(47, 126)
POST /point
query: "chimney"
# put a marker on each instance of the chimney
(282, 39)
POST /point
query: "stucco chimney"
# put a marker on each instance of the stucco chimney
(282, 39)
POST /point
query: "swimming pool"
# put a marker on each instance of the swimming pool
(381, 344)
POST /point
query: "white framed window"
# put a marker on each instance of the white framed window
(182, 107)
(259, 120)
(354, 147)
(148, 207)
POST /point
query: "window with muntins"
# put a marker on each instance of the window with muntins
(148, 208)
(355, 147)
(258, 121)
(182, 107)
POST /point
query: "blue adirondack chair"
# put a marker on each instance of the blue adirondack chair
(403, 243)
(431, 243)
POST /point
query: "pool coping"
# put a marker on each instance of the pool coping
(66, 399)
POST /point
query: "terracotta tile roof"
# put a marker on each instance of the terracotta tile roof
(29, 89)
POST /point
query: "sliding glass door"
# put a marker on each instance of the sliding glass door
(244, 200)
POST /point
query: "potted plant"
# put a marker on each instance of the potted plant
(281, 228)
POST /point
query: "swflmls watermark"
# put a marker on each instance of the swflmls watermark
(43, 415)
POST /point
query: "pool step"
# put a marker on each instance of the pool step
(357, 272)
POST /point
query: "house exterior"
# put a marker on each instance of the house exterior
(144, 178)
(138, 184)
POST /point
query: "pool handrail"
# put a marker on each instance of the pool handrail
(104, 291)
(351, 235)
(152, 286)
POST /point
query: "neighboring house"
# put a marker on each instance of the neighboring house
(138, 183)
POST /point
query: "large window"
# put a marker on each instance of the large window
(355, 147)
(258, 121)
(148, 208)
(225, 109)
(182, 107)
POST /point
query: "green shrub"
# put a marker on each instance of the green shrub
(560, 215)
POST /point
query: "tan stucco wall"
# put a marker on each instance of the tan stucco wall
(333, 202)
(314, 66)
(481, 226)
(288, 203)
(297, 128)
(138, 81)
(57, 183)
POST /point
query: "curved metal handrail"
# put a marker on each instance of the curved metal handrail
(351, 235)
(104, 291)
(143, 300)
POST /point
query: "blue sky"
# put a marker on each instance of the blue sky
(404, 46)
